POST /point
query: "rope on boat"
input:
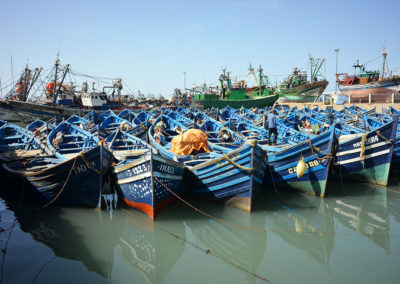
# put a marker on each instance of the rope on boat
(207, 251)
(252, 143)
(204, 213)
(54, 198)
(362, 148)
(100, 173)
(233, 163)
(316, 149)
(383, 137)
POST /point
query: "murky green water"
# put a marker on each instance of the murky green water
(351, 236)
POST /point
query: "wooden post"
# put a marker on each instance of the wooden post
(323, 97)
(369, 99)
(392, 98)
(349, 99)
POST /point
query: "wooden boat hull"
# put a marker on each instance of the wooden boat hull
(74, 182)
(15, 111)
(309, 92)
(139, 183)
(374, 167)
(219, 179)
(282, 174)
(381, 91)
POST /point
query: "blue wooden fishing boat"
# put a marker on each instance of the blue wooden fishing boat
(112, 123)
(79, 121)
(286, 135)
(317, 152)
(97, 118)
(143, 118)
(213, 128)
(233, 177)
(363, 155)
(86, 163)
(127, 115)
(13, 137)
(141, 174)
(68, 140)
(36, 124)
(181, 119)
(73, 182)
(367, 157)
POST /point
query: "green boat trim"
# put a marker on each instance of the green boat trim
(235, 96)
(309, 92)
(377, 175)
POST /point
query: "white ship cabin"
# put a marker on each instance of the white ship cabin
(65, 99)
(94, 99)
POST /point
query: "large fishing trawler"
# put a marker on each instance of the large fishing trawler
(376, 86)
(297, 87)
(236, 94)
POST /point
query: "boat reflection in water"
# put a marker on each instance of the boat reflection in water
(147, 247)
(365, 210)
(240, 247)
(304, 222)
(80, 234)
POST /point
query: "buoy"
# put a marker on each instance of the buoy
(301, 168)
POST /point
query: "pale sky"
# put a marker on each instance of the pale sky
(151, 43)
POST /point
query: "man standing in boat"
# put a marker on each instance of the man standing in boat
(272, 127)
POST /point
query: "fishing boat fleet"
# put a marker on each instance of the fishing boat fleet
(151, 158)
(37, 95)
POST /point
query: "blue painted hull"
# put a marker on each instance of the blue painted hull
(282, 166)
(375, 165)
(69, 183)
(219, 179)
(138, 182)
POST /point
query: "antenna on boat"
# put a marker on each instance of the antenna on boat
(12, 69)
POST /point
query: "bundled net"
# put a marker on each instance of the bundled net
(191, 142)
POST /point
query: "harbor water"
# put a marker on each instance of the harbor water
(351, 236)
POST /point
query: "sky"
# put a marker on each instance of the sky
(150, 44)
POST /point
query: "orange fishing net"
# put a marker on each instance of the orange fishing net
(191, 140)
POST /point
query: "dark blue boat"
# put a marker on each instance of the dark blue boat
(233, 177)
(317, 153)
(141, 174)
(73, 182)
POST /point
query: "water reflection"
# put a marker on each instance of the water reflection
(304, 222)
(147, 246)
(242, 247)
(89, 236)
(364, 210)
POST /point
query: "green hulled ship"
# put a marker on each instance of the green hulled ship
(297, 88)
(236, 94)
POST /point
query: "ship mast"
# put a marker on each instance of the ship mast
(55, 81)
(260, 80)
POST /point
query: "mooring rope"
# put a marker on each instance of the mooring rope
(233, 163)
(51, 201)
(313, 149)
(383, 137)
(204, 213)
(207, 251)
